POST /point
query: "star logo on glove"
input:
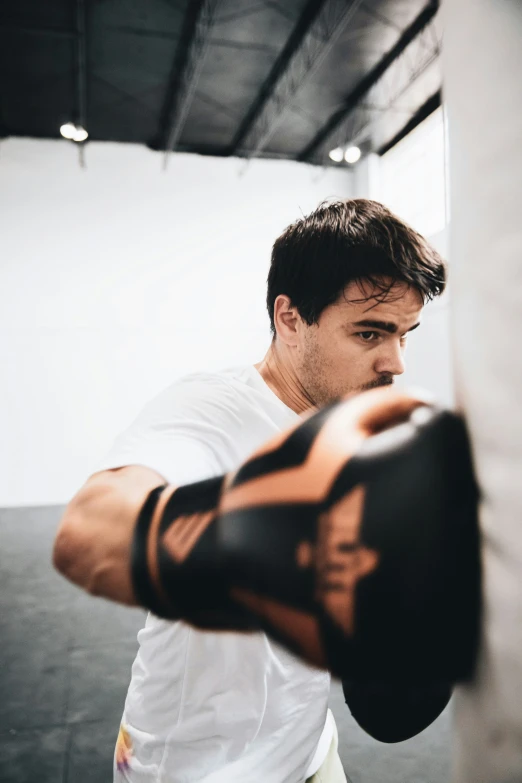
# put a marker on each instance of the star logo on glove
(339, 558)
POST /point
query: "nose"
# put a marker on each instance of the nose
(391, 359)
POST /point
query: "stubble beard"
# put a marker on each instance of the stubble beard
(316, 385)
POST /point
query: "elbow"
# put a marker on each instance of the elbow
(69, 552)
(75, 552)
(66, 549)
(92, 547)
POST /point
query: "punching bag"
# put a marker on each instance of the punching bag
(482, 62)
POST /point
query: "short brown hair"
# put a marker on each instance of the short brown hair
(316, 257)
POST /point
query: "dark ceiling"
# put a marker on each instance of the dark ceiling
(254, 78)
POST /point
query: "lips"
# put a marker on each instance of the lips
(386, 381)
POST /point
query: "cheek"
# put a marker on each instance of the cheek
(338, 352)
(354, 352)
(348, 360)
(355, 361)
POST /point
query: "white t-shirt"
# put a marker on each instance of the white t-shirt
(205, 707)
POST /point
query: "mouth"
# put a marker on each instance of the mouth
(386, 381)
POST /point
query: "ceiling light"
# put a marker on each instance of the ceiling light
(336, 154)
(81, 134)
(73, 132)
(68, 130)
(352, 154)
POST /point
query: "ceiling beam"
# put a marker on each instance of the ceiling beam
(307, 18)
(392, 86)
(81, 73)
(3, 128)
(9, 29)
(141, 33)
(80, 65)
(336, 124)
(316, 32)
(188, 64)
(421, 114)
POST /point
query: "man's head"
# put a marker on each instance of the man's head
(346, 285)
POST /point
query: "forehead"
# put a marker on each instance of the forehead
(360, 301)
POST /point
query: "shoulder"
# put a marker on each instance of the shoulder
(198, 396)
(211, 405)
(189, 431)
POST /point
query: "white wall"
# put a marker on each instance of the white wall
(115, 280)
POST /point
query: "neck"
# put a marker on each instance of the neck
(279, 375)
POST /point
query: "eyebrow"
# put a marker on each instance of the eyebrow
(385, 326)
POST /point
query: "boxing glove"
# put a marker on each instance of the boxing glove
(395, 712)
(352, 539)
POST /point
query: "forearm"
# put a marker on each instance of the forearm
(93, 543)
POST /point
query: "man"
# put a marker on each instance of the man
(346, 286)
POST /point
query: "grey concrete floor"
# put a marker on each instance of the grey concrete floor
(65, 667)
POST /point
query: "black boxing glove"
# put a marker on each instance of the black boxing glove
(352, 541)
(177, 569)
(394, 712)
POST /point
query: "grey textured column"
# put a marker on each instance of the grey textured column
(482, 60)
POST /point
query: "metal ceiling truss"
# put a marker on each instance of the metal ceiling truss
(3, 127)
(384, 95)
(236, 15)
(77, 35)
(8, 29)
(299, 31)
(80, 65)
(417, 48)
(81, 73)
(316, 33)
(427, 108)
(188, 65)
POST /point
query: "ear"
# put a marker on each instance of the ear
(287, 320)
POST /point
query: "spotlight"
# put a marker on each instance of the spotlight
(68, 130)
(352, 154)
(336, 154)
(81, 134)
(73, 132)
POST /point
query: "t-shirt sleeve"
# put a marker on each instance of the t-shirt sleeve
(185, 434)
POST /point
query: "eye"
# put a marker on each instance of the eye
(368, 337)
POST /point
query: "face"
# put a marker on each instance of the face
(356, 345)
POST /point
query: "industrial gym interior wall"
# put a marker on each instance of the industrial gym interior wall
(118, 278)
